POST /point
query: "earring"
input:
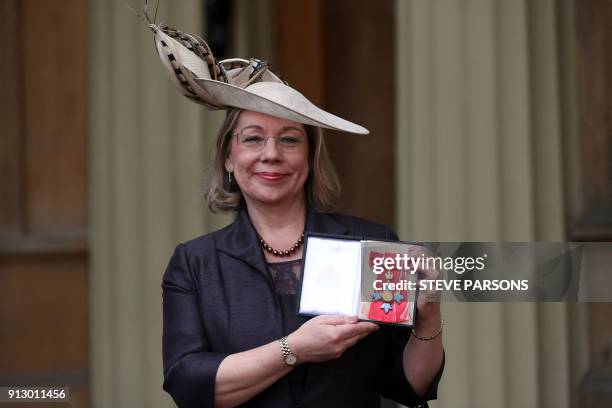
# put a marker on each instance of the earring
(229, 177)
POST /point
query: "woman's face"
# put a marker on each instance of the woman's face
(268, 158)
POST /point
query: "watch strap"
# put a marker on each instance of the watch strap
(286, 350)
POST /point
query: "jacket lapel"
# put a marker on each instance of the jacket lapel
(239, 241)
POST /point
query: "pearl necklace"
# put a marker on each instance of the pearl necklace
(287, 252)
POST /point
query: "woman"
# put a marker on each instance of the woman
(231, 335)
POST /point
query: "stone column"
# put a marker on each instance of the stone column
(149, 155)
(479, 158)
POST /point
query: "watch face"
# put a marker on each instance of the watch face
(290, 359)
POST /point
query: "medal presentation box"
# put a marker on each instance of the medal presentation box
(346, 276)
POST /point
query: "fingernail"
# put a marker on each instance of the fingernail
(353, 318)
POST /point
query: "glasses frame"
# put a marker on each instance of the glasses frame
(283, 148)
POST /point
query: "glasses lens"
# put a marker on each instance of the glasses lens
(290, 142)
(252, 140)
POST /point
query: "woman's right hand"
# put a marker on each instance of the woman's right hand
(326, 337)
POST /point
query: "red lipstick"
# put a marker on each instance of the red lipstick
(270, 176)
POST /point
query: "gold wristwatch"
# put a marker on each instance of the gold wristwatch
(288, 357)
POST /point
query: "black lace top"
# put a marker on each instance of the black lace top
(286, 278)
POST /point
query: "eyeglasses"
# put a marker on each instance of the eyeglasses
(253, 139)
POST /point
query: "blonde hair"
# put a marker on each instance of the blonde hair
(322, 187)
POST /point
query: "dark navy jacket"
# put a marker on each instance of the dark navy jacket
(218, 299)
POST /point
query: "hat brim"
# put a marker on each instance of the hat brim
(279, 100)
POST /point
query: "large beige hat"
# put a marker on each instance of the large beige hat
(236, 83)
